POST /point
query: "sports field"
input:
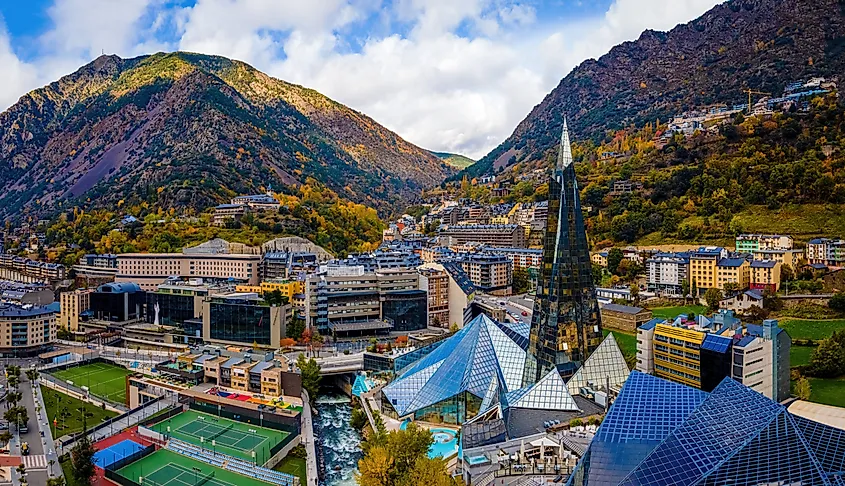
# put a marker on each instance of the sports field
(236, 439)
(103, 380)
(166, 468)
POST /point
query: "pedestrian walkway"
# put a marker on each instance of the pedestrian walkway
(35, 462)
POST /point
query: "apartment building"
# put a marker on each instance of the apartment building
(765, 275)
(752, 243)
(260, 202)
(667, 272)
(347, 300)
(501, 235)
(288, 288)
(73, 304)
(228, 213)
(437, 284)
(826, 251)
(524, 258)
(624, 317)
(784, 257)
(599, 258)
(26, 330)
(735, 271)
(701, 357)
(436, 254)
(703, 274)
(491, 274)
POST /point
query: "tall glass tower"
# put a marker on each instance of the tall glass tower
(566, 326)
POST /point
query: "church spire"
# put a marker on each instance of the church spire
(564, 156)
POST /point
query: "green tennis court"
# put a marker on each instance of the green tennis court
(229, 437)
(166, 468)
(103, 380)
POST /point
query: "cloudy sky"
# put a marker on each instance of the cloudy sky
(448, 75)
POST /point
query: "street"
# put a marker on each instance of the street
(41, 448)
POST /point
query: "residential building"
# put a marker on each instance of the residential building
(624, 317)
(701, 356)
(566, 324)
(784, 257)
(659, 432)
(436, 254)
(260, 202)
(107, 260)
(765, 275)
(117, 302)
(523, 258)
(703, 274)
(667, 272)
(752, 243)
(228, 213)
(743, 301)
(734, 271)
(626, 187)
(288, 288)
(826, 252)
(25, 330)
(461, 292)
(599, 258)
(151, 269)
(347, 300)
(491, 274)
(504, 235)
(437, 284)
(73, 304)
(244, 319)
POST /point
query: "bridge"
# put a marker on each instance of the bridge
(341, 365)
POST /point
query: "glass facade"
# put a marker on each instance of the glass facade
(240, 322)
(454, 410)
(407, 309)
(606, 367)
(658, 432)
(566, 325)
(174, 309)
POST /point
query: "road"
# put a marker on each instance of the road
(41, 448)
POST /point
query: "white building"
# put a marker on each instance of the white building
(667, 272)
(826, 251)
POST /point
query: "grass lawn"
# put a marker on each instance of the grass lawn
(294, 466)
(67, 472)
(827, 391)
(810, 328)
(103, 380)
(72, 420)
(673, 312)
(627, 342)
(800, 355)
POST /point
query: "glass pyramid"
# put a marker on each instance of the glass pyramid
(657, 434)
(566, 325)
(550, 393)
(482, 359)
(605, 365)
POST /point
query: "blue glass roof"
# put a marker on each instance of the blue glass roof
(482, 353)
(656, 434)
(714, 342)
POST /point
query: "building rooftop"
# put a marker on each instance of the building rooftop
(625, 309)
(13, 310)
(763, 264)
(731, 262)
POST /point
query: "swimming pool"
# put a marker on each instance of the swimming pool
(445, 441)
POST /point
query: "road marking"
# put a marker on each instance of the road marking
(35, 462)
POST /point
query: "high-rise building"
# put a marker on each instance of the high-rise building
(566, 325)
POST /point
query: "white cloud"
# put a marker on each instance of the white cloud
(452, 75)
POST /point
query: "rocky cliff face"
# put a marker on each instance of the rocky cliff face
(757, 44)
(187, 130)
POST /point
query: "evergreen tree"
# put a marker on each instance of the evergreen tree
(82, 458)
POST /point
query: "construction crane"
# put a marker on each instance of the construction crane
(751, 92)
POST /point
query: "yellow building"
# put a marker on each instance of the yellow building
(765, 275)
(677, 354)
(501, 219)
(72, 304)
(599, 258)
(733, 271)
(288, 288)
(702, 266)
(785, 257)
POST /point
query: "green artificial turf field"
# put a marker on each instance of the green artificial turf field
(103, 380)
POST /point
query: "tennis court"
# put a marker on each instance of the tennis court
(166, 468)
(222, 435)
(103, 380)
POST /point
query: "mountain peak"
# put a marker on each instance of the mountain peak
(182, 129)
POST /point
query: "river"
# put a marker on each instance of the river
(339, 441)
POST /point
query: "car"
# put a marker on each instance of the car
(524, 313)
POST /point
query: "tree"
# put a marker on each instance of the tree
(57, 481)
(287, 343)
(828, 360)
(803, 389)
(756, 313)
(295, 329)
(771, 301)
(5, 437)
(598, 274)
(786, 273)
(520, 280)
(635, 293)
(453, 328)
(712, 297)
(310, 371)
(685, 289)
(359, 419)
(730, 287)
(82, 458)
(694, 290)
(400, 458)
(614, 258)
(837, 302)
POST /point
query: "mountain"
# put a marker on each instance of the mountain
(759, 44)
(454, 160)
(177, 130)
